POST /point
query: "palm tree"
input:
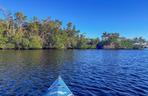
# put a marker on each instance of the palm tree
(19, 17)
(105, 34)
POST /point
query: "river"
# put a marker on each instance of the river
(86, 72)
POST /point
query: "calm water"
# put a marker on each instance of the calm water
(86, 72)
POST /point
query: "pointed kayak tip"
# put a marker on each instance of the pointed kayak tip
(59, 88)
(59, 77)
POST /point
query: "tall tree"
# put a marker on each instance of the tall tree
(19, 17)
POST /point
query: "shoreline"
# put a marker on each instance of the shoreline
(71, 49)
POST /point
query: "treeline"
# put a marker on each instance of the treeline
(17, 32)
(115, 41)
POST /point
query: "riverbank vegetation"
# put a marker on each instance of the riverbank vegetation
(17, 32)
(115, 41)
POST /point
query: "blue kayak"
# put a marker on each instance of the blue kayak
(59, 88)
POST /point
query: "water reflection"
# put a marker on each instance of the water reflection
(86, 72)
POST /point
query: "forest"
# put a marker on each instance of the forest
(19, 32)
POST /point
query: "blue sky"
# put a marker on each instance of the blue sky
(92, 17)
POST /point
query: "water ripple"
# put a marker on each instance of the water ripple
(86, 72)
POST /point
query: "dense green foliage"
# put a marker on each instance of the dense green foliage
(114, 41)
(126, 44)
(17, 32)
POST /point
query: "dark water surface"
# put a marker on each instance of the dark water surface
(86, 72)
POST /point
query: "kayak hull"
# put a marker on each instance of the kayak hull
(59, 88)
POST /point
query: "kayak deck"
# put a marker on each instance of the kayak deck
(59, 88)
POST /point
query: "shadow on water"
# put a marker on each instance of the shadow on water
(21, 70)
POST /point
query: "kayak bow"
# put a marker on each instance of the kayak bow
(59, 88)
